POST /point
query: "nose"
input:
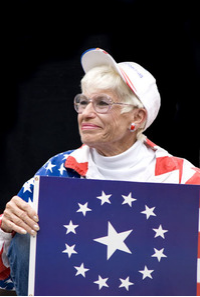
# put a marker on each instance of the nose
(89, 110)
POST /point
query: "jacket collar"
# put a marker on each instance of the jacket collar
(79, 158)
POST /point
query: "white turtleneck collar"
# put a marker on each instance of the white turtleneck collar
(130, 165)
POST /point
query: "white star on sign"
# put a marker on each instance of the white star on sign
(71, 227)
(114, 241)
(148, 212)
(146, 272)
(69, 250)
(81, 270)
(101, 282)
(159, 254)
(104, 198)
(160, 232)
(83, 208)
(128, 199)
(125, 283)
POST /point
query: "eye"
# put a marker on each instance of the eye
(83, 102)
(102, 102)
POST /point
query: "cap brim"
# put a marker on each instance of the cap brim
(96, 57)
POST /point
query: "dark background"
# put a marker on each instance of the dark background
(42, 42)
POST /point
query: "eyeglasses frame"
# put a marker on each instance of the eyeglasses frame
(90, 100)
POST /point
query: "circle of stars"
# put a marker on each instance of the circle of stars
(115, 241)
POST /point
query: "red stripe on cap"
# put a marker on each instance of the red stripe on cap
(99, 49)
(128, 81)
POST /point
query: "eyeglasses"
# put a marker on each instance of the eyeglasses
(102, 103)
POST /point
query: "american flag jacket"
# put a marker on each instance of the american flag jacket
(75, 164)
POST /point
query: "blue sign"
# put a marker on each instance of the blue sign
(114, 238)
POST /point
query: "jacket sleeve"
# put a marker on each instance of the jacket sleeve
(195, 178)
(5, 280)
(26, 193)
(53, 167)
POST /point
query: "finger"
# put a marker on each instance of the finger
(23, 221)
(19, 216)
(21, 204)
(12, 222)
(9, 226)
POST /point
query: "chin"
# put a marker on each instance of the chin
(91, 142)
(89, 138)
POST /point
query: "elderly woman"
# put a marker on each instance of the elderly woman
(118, 102)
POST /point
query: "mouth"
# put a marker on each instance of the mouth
(89, 126)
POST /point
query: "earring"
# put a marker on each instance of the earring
(133, 127)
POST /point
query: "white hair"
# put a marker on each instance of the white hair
(106, 78)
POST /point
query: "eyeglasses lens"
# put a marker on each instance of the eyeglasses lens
(101, 104)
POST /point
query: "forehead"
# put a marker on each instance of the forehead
(95, 93)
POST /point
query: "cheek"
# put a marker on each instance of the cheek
(114, 129)
(79, 120)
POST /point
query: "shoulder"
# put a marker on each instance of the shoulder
(55, 165)
(166, 164)
(188, 173)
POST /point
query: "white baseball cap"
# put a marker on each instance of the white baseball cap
(139, 80)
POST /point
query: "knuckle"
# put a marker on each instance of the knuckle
(17, 201)
(12, 202)
(15, 198)
(6, 224)
(6, 215)
(8, 205)
(18, 221)
(23, 216)
(26, 207)
(9, 224)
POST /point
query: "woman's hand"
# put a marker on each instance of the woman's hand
(20, 217)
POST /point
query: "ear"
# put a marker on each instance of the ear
(139, 116)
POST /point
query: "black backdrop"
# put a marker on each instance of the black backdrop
(42, 43)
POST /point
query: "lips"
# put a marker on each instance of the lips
(89, 126)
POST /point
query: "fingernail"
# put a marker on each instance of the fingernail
(23, 231)
(36, 227)
(36, 218)
(33, 232)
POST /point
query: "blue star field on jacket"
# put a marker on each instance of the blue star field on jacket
(53, 167)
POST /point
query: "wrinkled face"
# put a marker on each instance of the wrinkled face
(109, 131)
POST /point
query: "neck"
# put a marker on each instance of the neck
(113, 149)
